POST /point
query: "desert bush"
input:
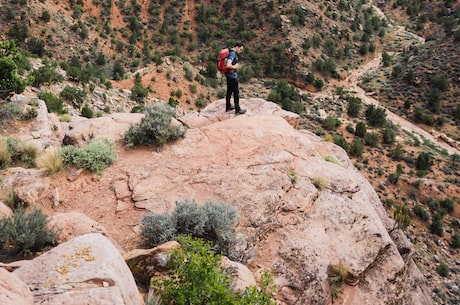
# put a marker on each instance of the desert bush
(196, 278)
(138, 92)
(154, 128)
(95, 156)
(87, 112)
(421, 213)
(402, 217)
(424, 161)
(212, 221)
(51, 160)
(375, 116)
(436, 226)
(371, 139)
(287, 96)
(354, 106)
(12, 200)
(337, 274)
(356, 148)
(388, 135)
(9, 111)
(53, 103)
(334, 160)
(330, 123)
(46, 75)
(361, 129)
(16, 153)
(30, 113)
(74, 95)
(448, 204)
(24, 232)
(455, 242)
(65, 117)
(320, 182)
(393, 178)
(443, 269)
(397, 153)
(341, 141)
(440, 81)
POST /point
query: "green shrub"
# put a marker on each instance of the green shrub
(354, 106)
(375, 116)
(448, 204)
(213, 222)
(74, 95)
(46, 75)
(16, 153)
(455, 243)
(337, 274)
(401, 214)
(320, 182)
(421, 213)
(388, 135)
(436, 226)
(96, 156)
(87, 112)
(397, 153)
(138, 92)
(53, 103)
(360, 130)
(24, 232)
(196, 278)
(356, 148)
(341, 141)
(424, 161)
(330, 123)
(154, 128)
(371, 139)
(8, 112)
(443, 269)
(334, 160)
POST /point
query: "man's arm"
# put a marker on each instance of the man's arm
(229, 61)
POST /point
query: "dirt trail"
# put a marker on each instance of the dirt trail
(351, 84)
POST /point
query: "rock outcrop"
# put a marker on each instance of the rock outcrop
(85, 270)
(303, 206)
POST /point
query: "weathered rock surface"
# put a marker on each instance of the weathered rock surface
(13, 291)
(268, 169)
(84, 270)
(46, 129)
(5, 211)
(299, 214)
(80, 131)
(143, 263)
(73, 224)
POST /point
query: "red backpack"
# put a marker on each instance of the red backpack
(223, 54)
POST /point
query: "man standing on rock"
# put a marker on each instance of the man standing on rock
(232, 79)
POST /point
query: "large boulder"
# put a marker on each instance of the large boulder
(46, 129)
(85, 270)
(303, 206)
(144, 263)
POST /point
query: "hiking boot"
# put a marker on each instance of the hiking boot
(241, 111)
(229, 109)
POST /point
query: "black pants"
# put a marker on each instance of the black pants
(232, 87)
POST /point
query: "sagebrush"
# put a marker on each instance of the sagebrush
(96, 156)
(155, 127)
(212, 221)
(26, 232)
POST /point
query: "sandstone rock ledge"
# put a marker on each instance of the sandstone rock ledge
(299, 213)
